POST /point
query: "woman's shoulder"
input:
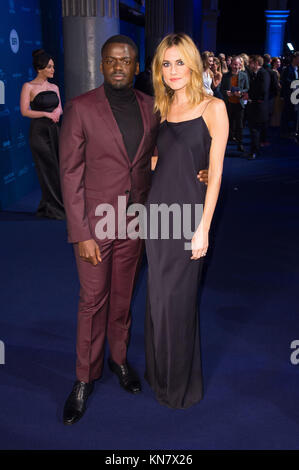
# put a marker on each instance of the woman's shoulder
(213, 107)
(215, 102)
(212, 102)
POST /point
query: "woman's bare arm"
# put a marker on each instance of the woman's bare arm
(25, 104)
(217, 122)
(59, 106)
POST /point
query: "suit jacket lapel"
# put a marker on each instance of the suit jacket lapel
(105, 111)
(145, 120)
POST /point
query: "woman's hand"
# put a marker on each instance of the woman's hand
(200, 243)
(54, 116)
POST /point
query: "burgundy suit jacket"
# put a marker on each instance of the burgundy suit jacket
(94, 164)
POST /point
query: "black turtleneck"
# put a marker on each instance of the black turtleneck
(127, 114)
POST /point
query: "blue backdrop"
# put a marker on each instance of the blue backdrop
(20, 34)
(26, 25)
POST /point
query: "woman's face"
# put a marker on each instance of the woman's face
(174, 71)
(214, 67)
(49, 71)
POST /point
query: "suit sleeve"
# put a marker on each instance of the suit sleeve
(72, 167)
(246, 83)
(264, 85)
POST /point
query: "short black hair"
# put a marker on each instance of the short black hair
(40, 59)
(121, 39)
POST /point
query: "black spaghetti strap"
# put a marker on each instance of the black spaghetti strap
(206, 107)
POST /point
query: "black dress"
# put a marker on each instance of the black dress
(44, 134)
(173, 360)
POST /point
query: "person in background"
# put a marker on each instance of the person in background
(273, 92)
(40, 101)
(290, 110)
(242, 67)
(224, 68)
(234, 84)
(208, 60)
(216, 69)
(229, 61)
(258, 103)
(245, 58)
(276, 64)
(278, 101)
(143, 80)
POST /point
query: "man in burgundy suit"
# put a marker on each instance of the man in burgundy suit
(107, 139)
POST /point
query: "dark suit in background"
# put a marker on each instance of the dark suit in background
(258, 106)
(273, 92)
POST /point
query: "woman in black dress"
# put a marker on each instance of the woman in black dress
(193, 135)
(40, 101)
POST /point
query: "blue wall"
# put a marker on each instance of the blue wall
(20, 34)
(37, 23)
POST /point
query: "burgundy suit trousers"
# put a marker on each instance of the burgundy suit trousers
(104, 306)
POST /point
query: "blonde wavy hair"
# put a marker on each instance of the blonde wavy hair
(190, 55)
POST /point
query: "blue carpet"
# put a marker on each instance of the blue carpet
(248, 319)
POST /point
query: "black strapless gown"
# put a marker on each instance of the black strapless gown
(44, 135)
(173, 359)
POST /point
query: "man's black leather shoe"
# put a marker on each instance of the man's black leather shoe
(251, 156)
(128, 378)
(75, 405)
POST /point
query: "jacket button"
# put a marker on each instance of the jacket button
(127, 191)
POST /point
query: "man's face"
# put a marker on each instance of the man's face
(254, 66)
(236, 66)
(119, 65)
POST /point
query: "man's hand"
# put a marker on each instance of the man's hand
(203, 176)
(89, 251)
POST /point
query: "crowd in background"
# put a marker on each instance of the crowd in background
(257, 92)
